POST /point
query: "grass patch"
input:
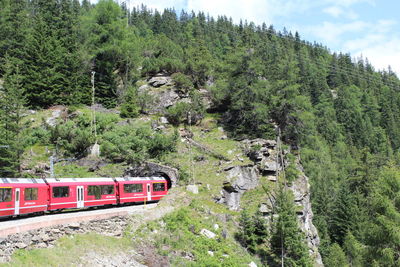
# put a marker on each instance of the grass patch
(70, 251)
(252, 199)
(179, 235)
(72, 171)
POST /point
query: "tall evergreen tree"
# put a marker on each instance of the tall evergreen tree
(288, 241)
(11, 111)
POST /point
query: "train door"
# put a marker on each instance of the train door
(17, 199)
(148, 192)
(80, 197)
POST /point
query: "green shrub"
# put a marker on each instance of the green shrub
(130, 106)
(74, 140)
(133, 145)
(178, 113)
(145, 101)
(162, 144)
(182, 82)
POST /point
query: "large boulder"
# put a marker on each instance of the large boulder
(159, 81)
(239, 180)
(161, 98)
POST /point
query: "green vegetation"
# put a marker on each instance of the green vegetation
(78, 247)
(180, 234)
(339, 114)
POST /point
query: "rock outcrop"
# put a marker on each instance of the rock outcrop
(263, 153)
(239, 180)
(161, 88)
(301, 191)
(160, 80)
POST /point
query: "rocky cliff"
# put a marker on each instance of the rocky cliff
(239, 179)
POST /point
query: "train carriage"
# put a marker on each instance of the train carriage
(28, 195)
(22, 196)
(141, 189)
(67, 193)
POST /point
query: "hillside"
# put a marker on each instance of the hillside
(262, 123)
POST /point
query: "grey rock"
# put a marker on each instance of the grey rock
(74, 225)
(163, 120)
(193, 188)
(52, 121)
(239, 180)
(143, 88)
(41, 245)
(21, 245)
(224, 234)
(158, 81)
(208, 233)
(265, 209)
(252, 264)
(301, 188)
(270, 165)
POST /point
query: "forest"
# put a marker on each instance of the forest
(339, 113)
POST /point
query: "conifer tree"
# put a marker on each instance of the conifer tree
(287, 240)
(11, 112)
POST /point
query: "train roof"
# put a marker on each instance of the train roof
(75, 180)
(121, 179)
(79, 180)
(22, 181)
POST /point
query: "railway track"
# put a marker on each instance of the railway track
(24, 224)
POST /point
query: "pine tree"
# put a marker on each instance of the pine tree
(11, 111)
(336, 257)
(288, 241)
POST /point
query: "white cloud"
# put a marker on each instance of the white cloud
(337, 11)
(256, 10)
(376, 42)
(334, 11)
(331, 33)
(382, 54)
(379, 45)
(347, 3)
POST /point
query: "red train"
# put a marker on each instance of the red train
(27, 196)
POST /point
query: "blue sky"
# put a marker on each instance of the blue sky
(370, 28)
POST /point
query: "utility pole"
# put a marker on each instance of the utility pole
(93, 123)
(190, 149)
(95, 151)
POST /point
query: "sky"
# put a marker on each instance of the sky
(367, 28)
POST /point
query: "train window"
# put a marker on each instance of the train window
(107, 189)
(133, 188)
(94, 190)
(31, 194)
(5, 194)
(158, 187)
(61, 191)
